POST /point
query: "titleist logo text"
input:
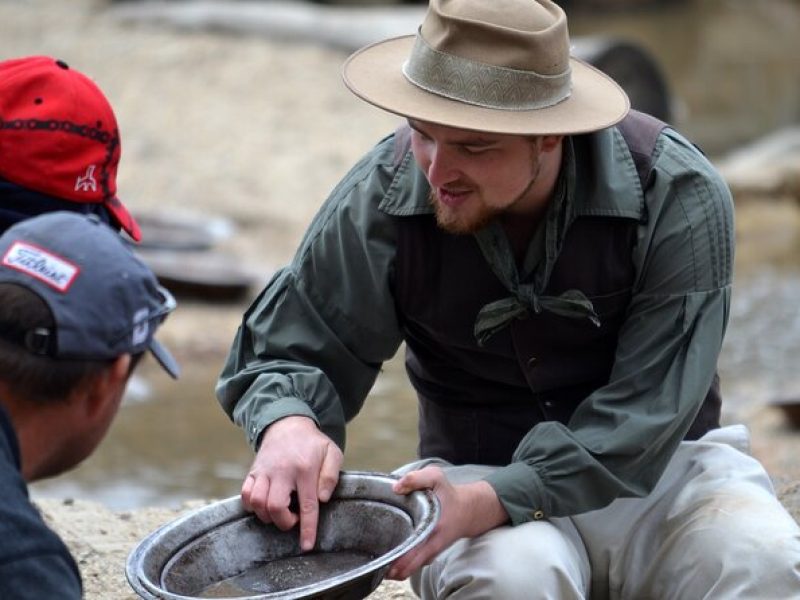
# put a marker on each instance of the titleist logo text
(45, 266)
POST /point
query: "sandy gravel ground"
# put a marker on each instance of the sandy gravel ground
(247, 129)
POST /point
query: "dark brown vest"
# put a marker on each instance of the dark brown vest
(476, 403)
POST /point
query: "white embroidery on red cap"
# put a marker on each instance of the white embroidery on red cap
(86, 182)
(55, 271)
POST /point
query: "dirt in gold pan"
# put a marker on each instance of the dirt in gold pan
(287, 573)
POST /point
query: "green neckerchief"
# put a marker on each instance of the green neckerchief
(527, 295)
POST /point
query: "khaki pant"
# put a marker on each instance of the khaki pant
(712, 528)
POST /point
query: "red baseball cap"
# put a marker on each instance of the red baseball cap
(59, 136)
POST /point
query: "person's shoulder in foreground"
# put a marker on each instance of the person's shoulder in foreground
(60, 144)
(77, 311)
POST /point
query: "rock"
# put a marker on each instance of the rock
(789, 495)
(343, 27)
(768, 168)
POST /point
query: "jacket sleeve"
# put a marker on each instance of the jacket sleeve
(313, 342)
(40, 576)
(34, 562)
(622, 436)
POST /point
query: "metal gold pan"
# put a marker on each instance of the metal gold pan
(222, 551)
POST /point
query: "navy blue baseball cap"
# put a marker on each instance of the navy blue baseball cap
(104, 300)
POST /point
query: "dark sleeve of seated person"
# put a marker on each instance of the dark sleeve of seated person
(18, 203)
(34, 562)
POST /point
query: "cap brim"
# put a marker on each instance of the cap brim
(164, 358)
(375, 75)
(123, 218)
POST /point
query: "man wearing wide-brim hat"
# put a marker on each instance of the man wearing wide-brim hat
(559, 268)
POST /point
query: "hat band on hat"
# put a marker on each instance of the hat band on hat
(482, 84)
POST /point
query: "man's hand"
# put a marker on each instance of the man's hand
(294, 456)
(467, 510)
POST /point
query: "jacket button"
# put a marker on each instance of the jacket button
(538, 515)
(532, 362)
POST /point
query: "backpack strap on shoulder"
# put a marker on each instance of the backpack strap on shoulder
(640, 132)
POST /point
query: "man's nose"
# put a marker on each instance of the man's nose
(442, 168)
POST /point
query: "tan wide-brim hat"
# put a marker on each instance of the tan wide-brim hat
(500, 66)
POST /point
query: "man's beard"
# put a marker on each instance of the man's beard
(460, 222)
(453, 221)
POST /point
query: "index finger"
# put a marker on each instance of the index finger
(308, 507)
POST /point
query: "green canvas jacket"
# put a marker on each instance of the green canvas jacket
(313, 342)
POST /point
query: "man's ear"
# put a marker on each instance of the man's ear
(107, 386)
(551, 142)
